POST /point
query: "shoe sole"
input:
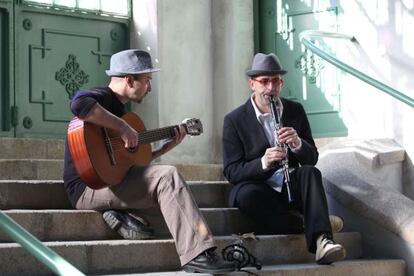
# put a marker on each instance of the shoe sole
(129, 234)
(112, 221)
(115, 224)
(333, 256)
(194, 269)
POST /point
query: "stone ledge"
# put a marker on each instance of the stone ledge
(372, 191)
(370, 152)
(378, 162)
(389, 209)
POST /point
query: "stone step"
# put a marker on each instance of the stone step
(52, 169)
(384, 267)
(34, 169)
(126, 256)
(25, 148)
(50, 194)
(33, 194)
(72, 225)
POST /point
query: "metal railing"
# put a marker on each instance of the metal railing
(306, 37)
(35, 247)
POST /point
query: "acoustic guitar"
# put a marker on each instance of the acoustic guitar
(99, 154)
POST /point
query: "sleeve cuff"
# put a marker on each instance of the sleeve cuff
(297, 148)
(264, 167)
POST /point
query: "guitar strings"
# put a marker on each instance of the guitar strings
(143, 138)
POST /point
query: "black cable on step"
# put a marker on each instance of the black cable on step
(239, 254)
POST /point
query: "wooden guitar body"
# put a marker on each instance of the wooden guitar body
(100, 157)
(96, 166)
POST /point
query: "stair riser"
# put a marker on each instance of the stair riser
(378, 269)
(31, 169)
(89, 225)
(52, 169)
(52, 195)
(33, 195)
(12, 148)
(354, 267)
(150, 256)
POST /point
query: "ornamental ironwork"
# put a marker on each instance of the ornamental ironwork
(71, 76)
(310, 65)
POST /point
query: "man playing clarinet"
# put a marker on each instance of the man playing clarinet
(269, 156)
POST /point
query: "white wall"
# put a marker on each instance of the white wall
(233, 47)
(203, 49)
(144, 35)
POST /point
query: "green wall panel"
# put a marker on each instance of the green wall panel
(46, 56)
(57, 56)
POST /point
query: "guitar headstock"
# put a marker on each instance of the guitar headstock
(193, 126)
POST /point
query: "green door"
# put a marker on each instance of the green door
(310, 81)
(56, 53)
(6, 66)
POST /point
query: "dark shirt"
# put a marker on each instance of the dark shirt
(80, 105)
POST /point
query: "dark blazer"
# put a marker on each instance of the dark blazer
(244, 144)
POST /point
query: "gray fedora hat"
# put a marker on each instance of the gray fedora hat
(130, 62)
(265, 65)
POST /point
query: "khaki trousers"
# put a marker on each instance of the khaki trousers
(163, 187)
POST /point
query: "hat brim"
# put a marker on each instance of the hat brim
(117, 73)
(253, 73)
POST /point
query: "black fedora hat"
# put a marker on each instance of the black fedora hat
(265, 65)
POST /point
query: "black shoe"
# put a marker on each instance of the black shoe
(209, 262)
(127, 226)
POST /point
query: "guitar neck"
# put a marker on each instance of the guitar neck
(150, 136)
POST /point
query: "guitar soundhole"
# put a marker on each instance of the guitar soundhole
(132, 149)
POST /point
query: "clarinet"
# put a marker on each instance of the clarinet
(285, 162)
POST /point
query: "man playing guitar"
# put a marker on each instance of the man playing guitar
(144, 186)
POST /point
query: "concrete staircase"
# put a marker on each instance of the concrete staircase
(31, 192)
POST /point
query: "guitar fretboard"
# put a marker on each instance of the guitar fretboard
(149, 136)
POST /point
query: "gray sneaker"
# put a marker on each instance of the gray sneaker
(327, 251)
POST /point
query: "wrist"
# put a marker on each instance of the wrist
(264, 165)
(296, 146)
(121, 125)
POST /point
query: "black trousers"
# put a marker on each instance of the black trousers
(273, 214)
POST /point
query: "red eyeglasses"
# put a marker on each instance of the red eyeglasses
(267, 81)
